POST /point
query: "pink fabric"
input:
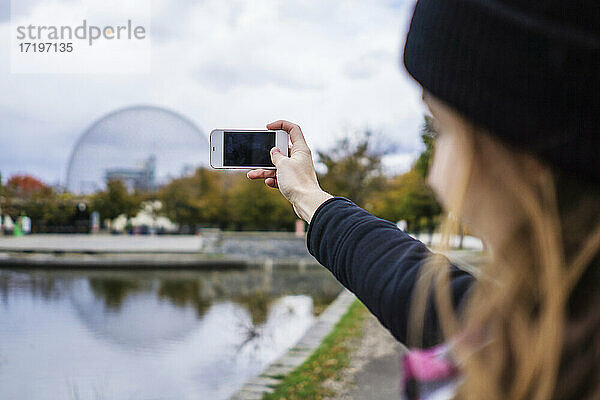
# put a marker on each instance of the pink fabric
(428, 365)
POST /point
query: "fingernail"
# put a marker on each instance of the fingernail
(274, 150)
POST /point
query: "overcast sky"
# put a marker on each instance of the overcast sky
(331, 66)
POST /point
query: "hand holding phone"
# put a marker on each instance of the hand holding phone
(295, 175)
(245, 149)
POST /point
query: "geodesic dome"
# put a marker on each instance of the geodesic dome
(145, 145)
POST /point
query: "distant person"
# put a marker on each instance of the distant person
(8, 225)
(514, 87)
(25, 224)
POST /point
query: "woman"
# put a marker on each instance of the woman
(514, 88)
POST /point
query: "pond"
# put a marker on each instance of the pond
(149, 334)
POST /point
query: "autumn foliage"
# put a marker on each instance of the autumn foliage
(352, 168)
(25, 186)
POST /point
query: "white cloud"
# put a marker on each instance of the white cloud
(331, 66)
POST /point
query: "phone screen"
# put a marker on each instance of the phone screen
(247, 149)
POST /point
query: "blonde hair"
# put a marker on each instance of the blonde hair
(518, 326)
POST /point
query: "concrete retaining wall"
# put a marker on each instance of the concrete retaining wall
(215, 250)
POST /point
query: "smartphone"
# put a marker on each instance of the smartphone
(245, 149)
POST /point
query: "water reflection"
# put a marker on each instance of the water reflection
(257, 305)
(112, 291)
(184, 293)
(175, 335)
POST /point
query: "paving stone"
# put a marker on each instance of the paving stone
(247, 395)
(262, 380)
(276, 370)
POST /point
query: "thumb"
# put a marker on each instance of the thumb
(276, 156)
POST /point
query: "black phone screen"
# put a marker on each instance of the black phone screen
(247, 149)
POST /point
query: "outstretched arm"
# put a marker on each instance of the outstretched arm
(377, 262)
(369, 256)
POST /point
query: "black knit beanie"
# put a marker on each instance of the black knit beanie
(528, 71)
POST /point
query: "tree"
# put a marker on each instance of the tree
(115, 200)
(256, 206)
(354, 170)
(225, 199)
(407, 196)
(428, 137)
(24, 186)
(195, 200)
(24, 194)
(48, 210)
(41, 207)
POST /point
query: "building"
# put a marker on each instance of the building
(141, 179)
(113, 147)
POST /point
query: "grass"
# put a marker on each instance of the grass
(306, 381)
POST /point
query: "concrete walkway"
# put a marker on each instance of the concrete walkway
(102, 243)
(374, 369)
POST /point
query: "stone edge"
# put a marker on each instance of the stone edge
(257, 387)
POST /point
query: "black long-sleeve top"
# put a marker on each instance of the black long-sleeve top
(378, 263)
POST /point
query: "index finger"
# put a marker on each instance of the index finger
(294, 130)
